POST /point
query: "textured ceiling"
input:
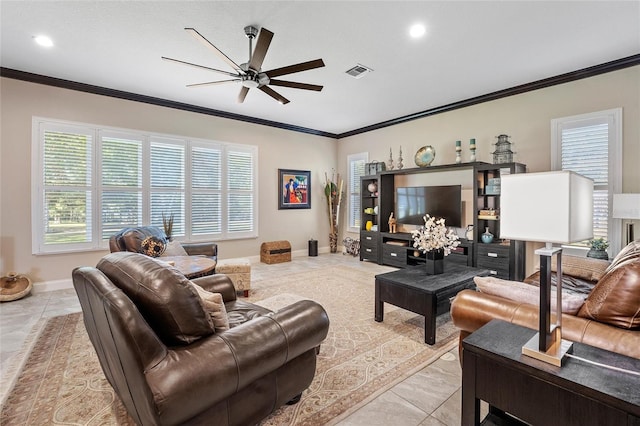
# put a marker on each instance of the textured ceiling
(470, 49)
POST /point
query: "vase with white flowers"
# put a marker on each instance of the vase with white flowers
(436, 241)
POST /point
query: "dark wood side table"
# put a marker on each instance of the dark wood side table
(412, 289)
(578, 393)
(191, 266)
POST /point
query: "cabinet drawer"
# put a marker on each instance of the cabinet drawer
(394, 255)
(493, 251)
(368, 237)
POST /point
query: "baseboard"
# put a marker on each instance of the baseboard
(41, 287)
(54, 285)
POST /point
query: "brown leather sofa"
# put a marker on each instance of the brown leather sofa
(131, 239)
(609, 318)
(169, 365)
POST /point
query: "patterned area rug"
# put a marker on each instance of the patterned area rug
(61, 382)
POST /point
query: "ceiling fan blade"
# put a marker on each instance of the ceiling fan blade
(262, 45)
(242, 94)
(208, 44)
(295, 85)
(275, 95)
(213, 83)
(200, 66)
(303, 66)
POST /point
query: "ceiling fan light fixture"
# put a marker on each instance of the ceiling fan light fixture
(251, 84)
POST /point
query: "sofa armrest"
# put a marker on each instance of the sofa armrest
(219, 365)
(218, 283)
(471, 310)
(201, 249)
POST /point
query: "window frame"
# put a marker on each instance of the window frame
(42, 125)
(351, 159)
(613, 118)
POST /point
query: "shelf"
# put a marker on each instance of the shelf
(494, 218)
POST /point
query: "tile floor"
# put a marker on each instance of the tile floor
(430, 397)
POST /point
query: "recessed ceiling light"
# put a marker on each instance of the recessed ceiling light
(43, 41)
(417, 31)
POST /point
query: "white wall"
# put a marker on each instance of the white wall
(278, 148)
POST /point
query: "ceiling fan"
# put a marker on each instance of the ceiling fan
(250, 74)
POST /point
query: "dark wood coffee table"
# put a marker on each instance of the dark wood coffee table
(428, 295)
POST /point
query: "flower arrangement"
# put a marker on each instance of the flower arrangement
(434, 236)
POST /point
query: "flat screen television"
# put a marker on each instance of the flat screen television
(444, 201)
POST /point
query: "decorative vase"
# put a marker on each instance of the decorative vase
(469, 233)
(333, 242)
(435, 262)
(487, 237)
(598, 254)
(368, 225)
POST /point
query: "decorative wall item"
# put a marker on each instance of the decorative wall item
(390, 164)
(458, 152)
(294, 190)
(503, 153)
(333, 192)
(400, 165)
(425, 156)
(472, 147)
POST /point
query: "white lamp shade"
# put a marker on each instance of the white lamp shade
(549, 207)
(626, 206)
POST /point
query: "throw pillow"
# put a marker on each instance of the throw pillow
(174, 248)
(586, 268)
(152, 246)
(526, 293)
(214, 306)
(163, 296)
(615, 299)
(628, 254)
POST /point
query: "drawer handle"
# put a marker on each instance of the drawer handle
(394, 254)
(493, 272)
(368, 250)
(492, 254)
(368, 238)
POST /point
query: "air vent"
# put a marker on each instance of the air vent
(359, 71)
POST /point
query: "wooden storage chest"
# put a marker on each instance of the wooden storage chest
(275, 252)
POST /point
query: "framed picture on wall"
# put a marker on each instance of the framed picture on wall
(294, 189)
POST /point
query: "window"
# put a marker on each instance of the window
(356, 164)
(89, 183)
(591, 145)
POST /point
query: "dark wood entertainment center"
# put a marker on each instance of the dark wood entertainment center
(504, 259)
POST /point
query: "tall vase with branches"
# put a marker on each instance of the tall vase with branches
(333, 192)
(167, 224)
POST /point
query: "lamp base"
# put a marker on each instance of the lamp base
(556, 352)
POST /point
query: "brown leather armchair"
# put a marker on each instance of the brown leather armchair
(130, 239)
(179, 371)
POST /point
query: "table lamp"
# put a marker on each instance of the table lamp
(627, 206)
(553, 208)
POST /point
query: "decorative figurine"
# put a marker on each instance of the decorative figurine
(503, 153)
(390, 162)
(400, 165)
(392, 224)
(472, 147)
(458, 152)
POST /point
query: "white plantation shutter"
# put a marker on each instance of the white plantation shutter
(206, 190)
(121, 180)
(63, 202)
(167, 183)
(356, 164)
(590, 145)
(90, 182)
(240, 191)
